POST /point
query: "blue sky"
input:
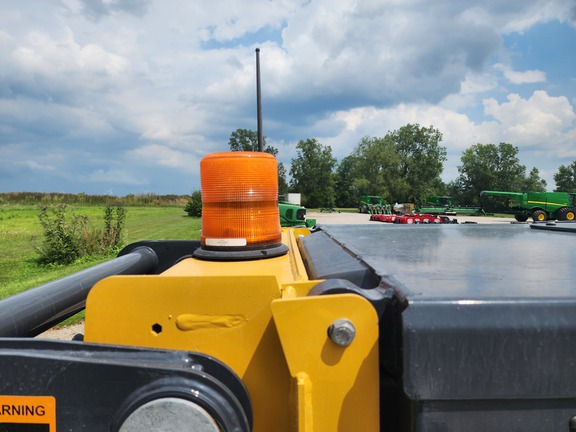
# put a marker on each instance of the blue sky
(126, 96)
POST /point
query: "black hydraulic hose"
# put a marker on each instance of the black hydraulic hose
(33, 311)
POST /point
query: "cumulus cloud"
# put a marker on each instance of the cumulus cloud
(59, 69)
(153, 85)
(163, 155)
(525, 77)
(363, 50)
(535, 120)
(97, 9)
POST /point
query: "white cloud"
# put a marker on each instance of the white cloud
(58, 67)
(458, 130)
(537, 11)
(95, 60)
(39, 118)
(525, 77)
(540, 121)
(163, 155)
(119, 176)
(35, 166)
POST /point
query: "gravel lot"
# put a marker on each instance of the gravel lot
(322, 218)
(63, 333)
(359, 218)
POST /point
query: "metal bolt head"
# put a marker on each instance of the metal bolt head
(342, 332)
(572, 424)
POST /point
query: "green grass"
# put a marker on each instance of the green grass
(20, 231)
(160, 223)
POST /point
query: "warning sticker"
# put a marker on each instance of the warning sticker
(27, 413)
(226, 242)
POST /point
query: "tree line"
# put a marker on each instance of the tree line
(403, 166)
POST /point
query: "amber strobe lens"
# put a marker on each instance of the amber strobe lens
(239, 200)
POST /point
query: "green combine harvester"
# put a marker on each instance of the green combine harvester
(540, 206)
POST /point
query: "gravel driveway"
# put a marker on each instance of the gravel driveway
(359, 218)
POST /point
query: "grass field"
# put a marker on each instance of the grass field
(20, 231)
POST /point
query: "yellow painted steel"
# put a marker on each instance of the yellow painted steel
(546, 203)
(328, 375)
(255, 317)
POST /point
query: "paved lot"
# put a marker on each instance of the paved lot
(359, 218)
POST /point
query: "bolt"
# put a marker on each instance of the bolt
(572, 424)
(342, 332)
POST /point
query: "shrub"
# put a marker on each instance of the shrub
(68, 237)
(113, 227)
(63, 235)
(194, 205)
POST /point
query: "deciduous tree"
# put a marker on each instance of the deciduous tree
(346, 195)
(312, 173)
(533, 182)
(565, 178)
(421, 161)
(490, 167)
(403, 166)
(374, 168)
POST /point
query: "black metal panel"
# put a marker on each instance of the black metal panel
(490, 350)
(97, 386)
(466, 261)
(325, 259)
(489, 329)
(562, 226)
(552, 415)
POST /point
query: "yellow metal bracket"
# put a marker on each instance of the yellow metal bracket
(335, 388)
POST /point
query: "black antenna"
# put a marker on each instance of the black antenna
(259, 102)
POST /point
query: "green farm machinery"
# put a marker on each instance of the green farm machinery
(373, 204)
(294, 215)
(540, 206)
(437, 204)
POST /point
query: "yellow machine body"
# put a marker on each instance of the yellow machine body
(254, 316)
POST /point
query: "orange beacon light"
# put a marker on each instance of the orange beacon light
(240, 216)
